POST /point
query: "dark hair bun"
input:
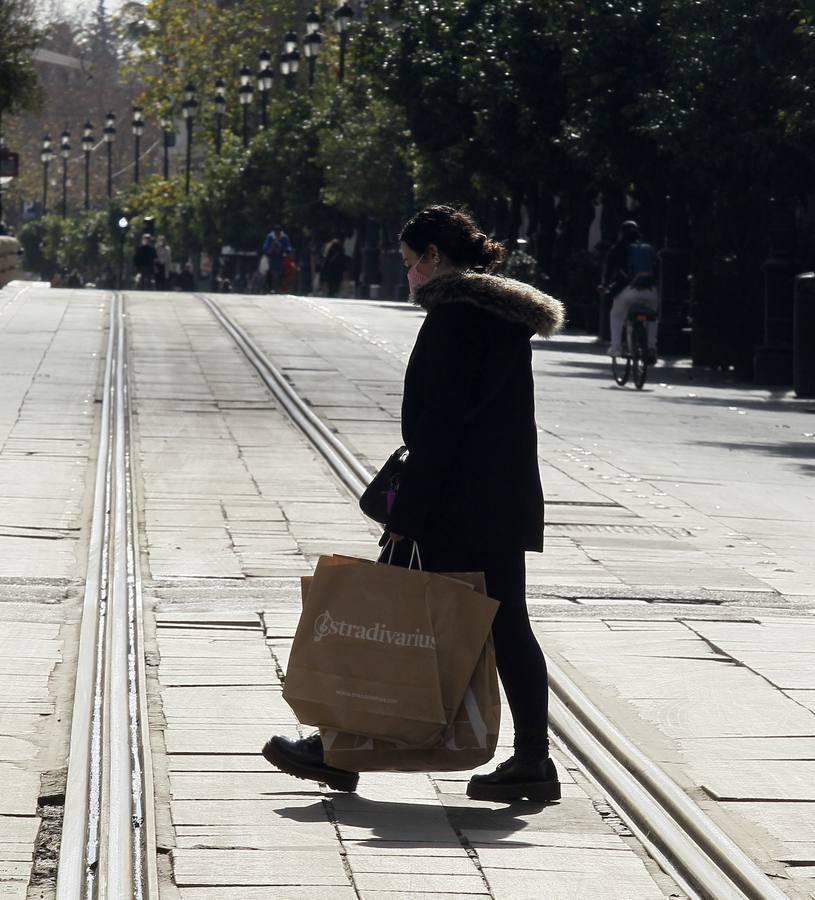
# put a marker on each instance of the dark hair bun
(457, 236)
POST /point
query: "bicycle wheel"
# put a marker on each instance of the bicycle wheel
(621, 369)
(639, 352)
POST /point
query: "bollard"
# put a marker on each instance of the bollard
(803, 336)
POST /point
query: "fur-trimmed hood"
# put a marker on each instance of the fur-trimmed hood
(505, 297)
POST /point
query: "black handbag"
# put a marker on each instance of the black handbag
(377, 500)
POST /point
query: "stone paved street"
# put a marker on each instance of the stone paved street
(676, 589)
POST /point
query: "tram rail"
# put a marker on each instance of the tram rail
(108, 847)
(703, 860)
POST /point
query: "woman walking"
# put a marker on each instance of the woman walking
(470, 494)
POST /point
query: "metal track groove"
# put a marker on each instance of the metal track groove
(107, 848)
(704, 860)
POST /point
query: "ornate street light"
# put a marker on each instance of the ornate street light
(46, 155)
(245, 96)
(65, 153)
(220, 108)
(168, 132)
(189, 110)
(343, 16)
(313, 22)
(87, 146)
(265, 80)
(138, 131)
(110, 137)
(311, 49)
(289, 58)
(245, 76)
(289, 66)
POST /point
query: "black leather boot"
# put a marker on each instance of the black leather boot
(532, 778)
(304, 759)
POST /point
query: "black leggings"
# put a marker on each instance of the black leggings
(521, 665)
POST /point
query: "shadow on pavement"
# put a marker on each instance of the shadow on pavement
(672, 371)
(789, 450)
(416, 824)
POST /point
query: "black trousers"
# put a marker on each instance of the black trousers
(521, 665)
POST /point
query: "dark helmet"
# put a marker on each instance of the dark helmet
(629, 229)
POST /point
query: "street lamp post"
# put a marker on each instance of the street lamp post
(245, 96)
(291, 55)
(87, 146)
(46, 155)
(166, 122)
(265, 80)
(343, 16)
(220, 109)
(110, 137)
(189, 109)
(123, 226)
(65, 153)
(312, 42)
(138, 131)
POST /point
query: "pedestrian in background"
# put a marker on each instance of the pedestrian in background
(333, 268)
(144, 261)
(164, 262)
(276, 247)
(470, 494)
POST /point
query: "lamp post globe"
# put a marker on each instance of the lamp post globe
(168, 133)
(245, 76)
(110, 137)
(189, 110)
(65, 153)
(87, 147)
(46, 155)
(220, 109)
(311, 50)
(137, 126)
(313, 22)
(342, 17)
(265, 79)
(245, 96)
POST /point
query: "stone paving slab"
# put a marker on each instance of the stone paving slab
(33, 734)
(683, 541)
(237, 822)
(272, 892)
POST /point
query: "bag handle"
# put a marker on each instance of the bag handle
(414, 554)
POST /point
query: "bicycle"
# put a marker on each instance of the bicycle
(635, 343)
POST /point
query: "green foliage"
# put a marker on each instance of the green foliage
(87, 244)
(19, 37)
(522, 267)
(365, 155)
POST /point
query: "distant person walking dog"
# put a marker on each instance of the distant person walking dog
(470, 495)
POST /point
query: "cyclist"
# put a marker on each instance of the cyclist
(628, 278)
(641, 292)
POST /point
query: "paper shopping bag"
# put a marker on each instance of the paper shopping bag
(469, 741)
(366, 655)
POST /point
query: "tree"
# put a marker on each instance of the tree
(19, 37)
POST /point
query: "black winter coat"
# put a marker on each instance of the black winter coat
(468, 415)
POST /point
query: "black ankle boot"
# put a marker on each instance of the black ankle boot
(533, 778)
(304, 759)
